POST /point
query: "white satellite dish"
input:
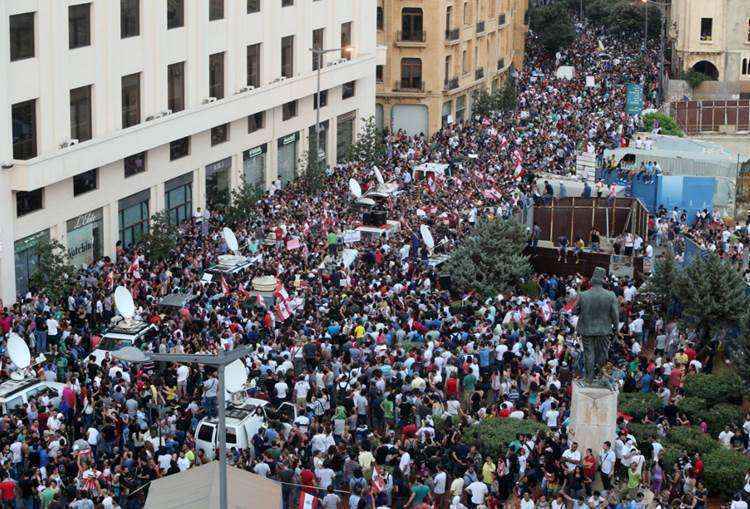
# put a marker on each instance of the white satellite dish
(427, 237)
(19, 354)
(355, 189)
(235, 376)
(231, 239)
(124, 302)
(378, 175)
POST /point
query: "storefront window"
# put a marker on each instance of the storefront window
(178, 198)
(85, 242)
(322, 141)
(217, 184)
(26, 259)
(460, 108)
(254, 165)
(287, 170)
(344, 135)
(133, 212)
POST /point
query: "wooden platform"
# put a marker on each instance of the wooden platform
(544, 260)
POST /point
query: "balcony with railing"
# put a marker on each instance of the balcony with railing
(451, 84)
(479, 73)
(480, 27)
(413, 85)
(453, 35)
(411, 38)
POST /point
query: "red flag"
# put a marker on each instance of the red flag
(307, 501)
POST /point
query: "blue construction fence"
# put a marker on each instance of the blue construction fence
(682, 191)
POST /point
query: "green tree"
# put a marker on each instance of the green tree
(713, 295)
(161, 238)
(663, 280)
(667, 124)
(554, 26)
(502, 99)
(695, 78)
(242, 204)
(53, 274)
(370, 145)
(312, 171)
(490, 260)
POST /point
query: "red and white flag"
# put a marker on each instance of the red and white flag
(307, 501)
(225, 287)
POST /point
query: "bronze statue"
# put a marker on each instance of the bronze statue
(598, 320)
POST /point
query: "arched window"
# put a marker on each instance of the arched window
(412, 28)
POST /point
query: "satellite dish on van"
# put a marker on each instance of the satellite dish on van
(18, 351)
(355, 188)
(427, 236)
(235, 376)
(378, 175)
(231, 239)
(124, 302)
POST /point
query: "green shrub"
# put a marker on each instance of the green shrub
(530, 289)
(493, 435)
(692, 440)
(638, 404)
(724, 387)
(670, 455)
(695, 78)
(694, 408)
(722, 415)
(724, 472)
(668, 124)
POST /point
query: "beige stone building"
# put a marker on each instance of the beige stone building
(440, 53)
(713, 37)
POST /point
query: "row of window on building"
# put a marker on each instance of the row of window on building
(24, 114)
(79, 23)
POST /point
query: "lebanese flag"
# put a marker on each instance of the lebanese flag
(282, 311)
(546, 311)
(307, 501)
(225, 287)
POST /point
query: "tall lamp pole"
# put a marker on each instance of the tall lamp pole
(132, 354)
(319, 52)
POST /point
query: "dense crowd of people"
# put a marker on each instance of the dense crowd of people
(388, 371)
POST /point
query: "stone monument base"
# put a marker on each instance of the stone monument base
(593, 417)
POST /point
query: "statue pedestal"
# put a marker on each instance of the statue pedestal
(593, 417)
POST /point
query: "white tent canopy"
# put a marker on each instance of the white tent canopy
(198, 488)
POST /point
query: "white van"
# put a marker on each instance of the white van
(120, 335)
(15, 394)
(242, 423)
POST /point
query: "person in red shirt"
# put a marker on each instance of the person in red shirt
(8, 490)
(307, 479)
(451, 386)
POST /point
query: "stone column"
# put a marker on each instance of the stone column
(593, 417)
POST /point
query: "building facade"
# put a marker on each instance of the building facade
(117, 109)
(440, 54)
(713, 37)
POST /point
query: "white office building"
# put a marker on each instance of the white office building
(117, 109)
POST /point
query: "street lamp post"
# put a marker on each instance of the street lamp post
(132, 354)
(320, 52)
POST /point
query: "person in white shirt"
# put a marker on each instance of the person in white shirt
(552, 415)
(725, 437)
(526, 501)
(478, 491)
(183, 372)
(572, 457)
(607, 464)
(281, 389)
